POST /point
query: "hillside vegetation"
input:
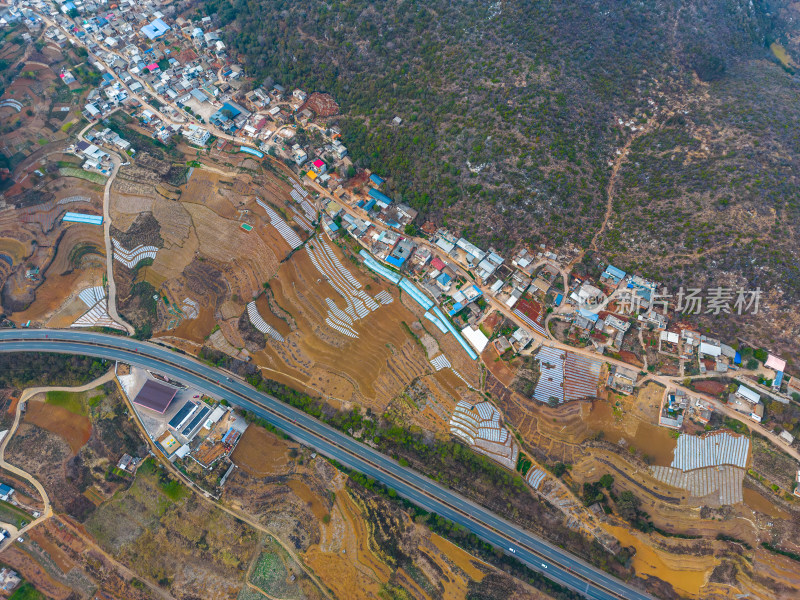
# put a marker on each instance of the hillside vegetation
(534, 122)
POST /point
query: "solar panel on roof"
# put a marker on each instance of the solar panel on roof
(182, 414)
(196, 421)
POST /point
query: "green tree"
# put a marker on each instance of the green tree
(607, 481)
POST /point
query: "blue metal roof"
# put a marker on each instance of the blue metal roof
(155, 29)
(393, 260)
(559, 298)
(72, 217)
(380, 196)
(376, 179)
(235, 112)
(456, 307)
(778, 379)
(444, 278)
(370, 205)
(615, 272)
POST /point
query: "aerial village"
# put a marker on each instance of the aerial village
(613, 335)
(181, 69)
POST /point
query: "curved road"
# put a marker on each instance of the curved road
(27, 394)
(111, 302)
(559, 565)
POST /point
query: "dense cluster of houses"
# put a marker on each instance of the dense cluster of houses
(181, 67)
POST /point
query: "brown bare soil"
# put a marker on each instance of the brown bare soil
(75, 429)
(305, 494)
(323, 105)
(195, 330)
(260, 453)
(33, 236)
(760, 503)
(497, 366)
(715, 388)
(344, 558)
(381, 363)
(28, 567)
(686, 573)
(69, 453)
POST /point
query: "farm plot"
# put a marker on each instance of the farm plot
(566, 376)
(126, 209)
(479, 426)
(130, 258)
(78, 260)
(286, 232)
(709, 467)
(97, 315)
(381, 361)
(357, 303)
(246, 259)
(258, 322)
(279, 576)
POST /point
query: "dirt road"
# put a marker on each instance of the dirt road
(112, 287)
(26, 395)
(204, 495)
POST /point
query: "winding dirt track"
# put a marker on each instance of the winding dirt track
(27, 395)
(112, 287)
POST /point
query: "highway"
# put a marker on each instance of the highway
(557, 564)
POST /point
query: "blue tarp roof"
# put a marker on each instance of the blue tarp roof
(376, 179)
(155, 29)
(737, 360)
(380, 196)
